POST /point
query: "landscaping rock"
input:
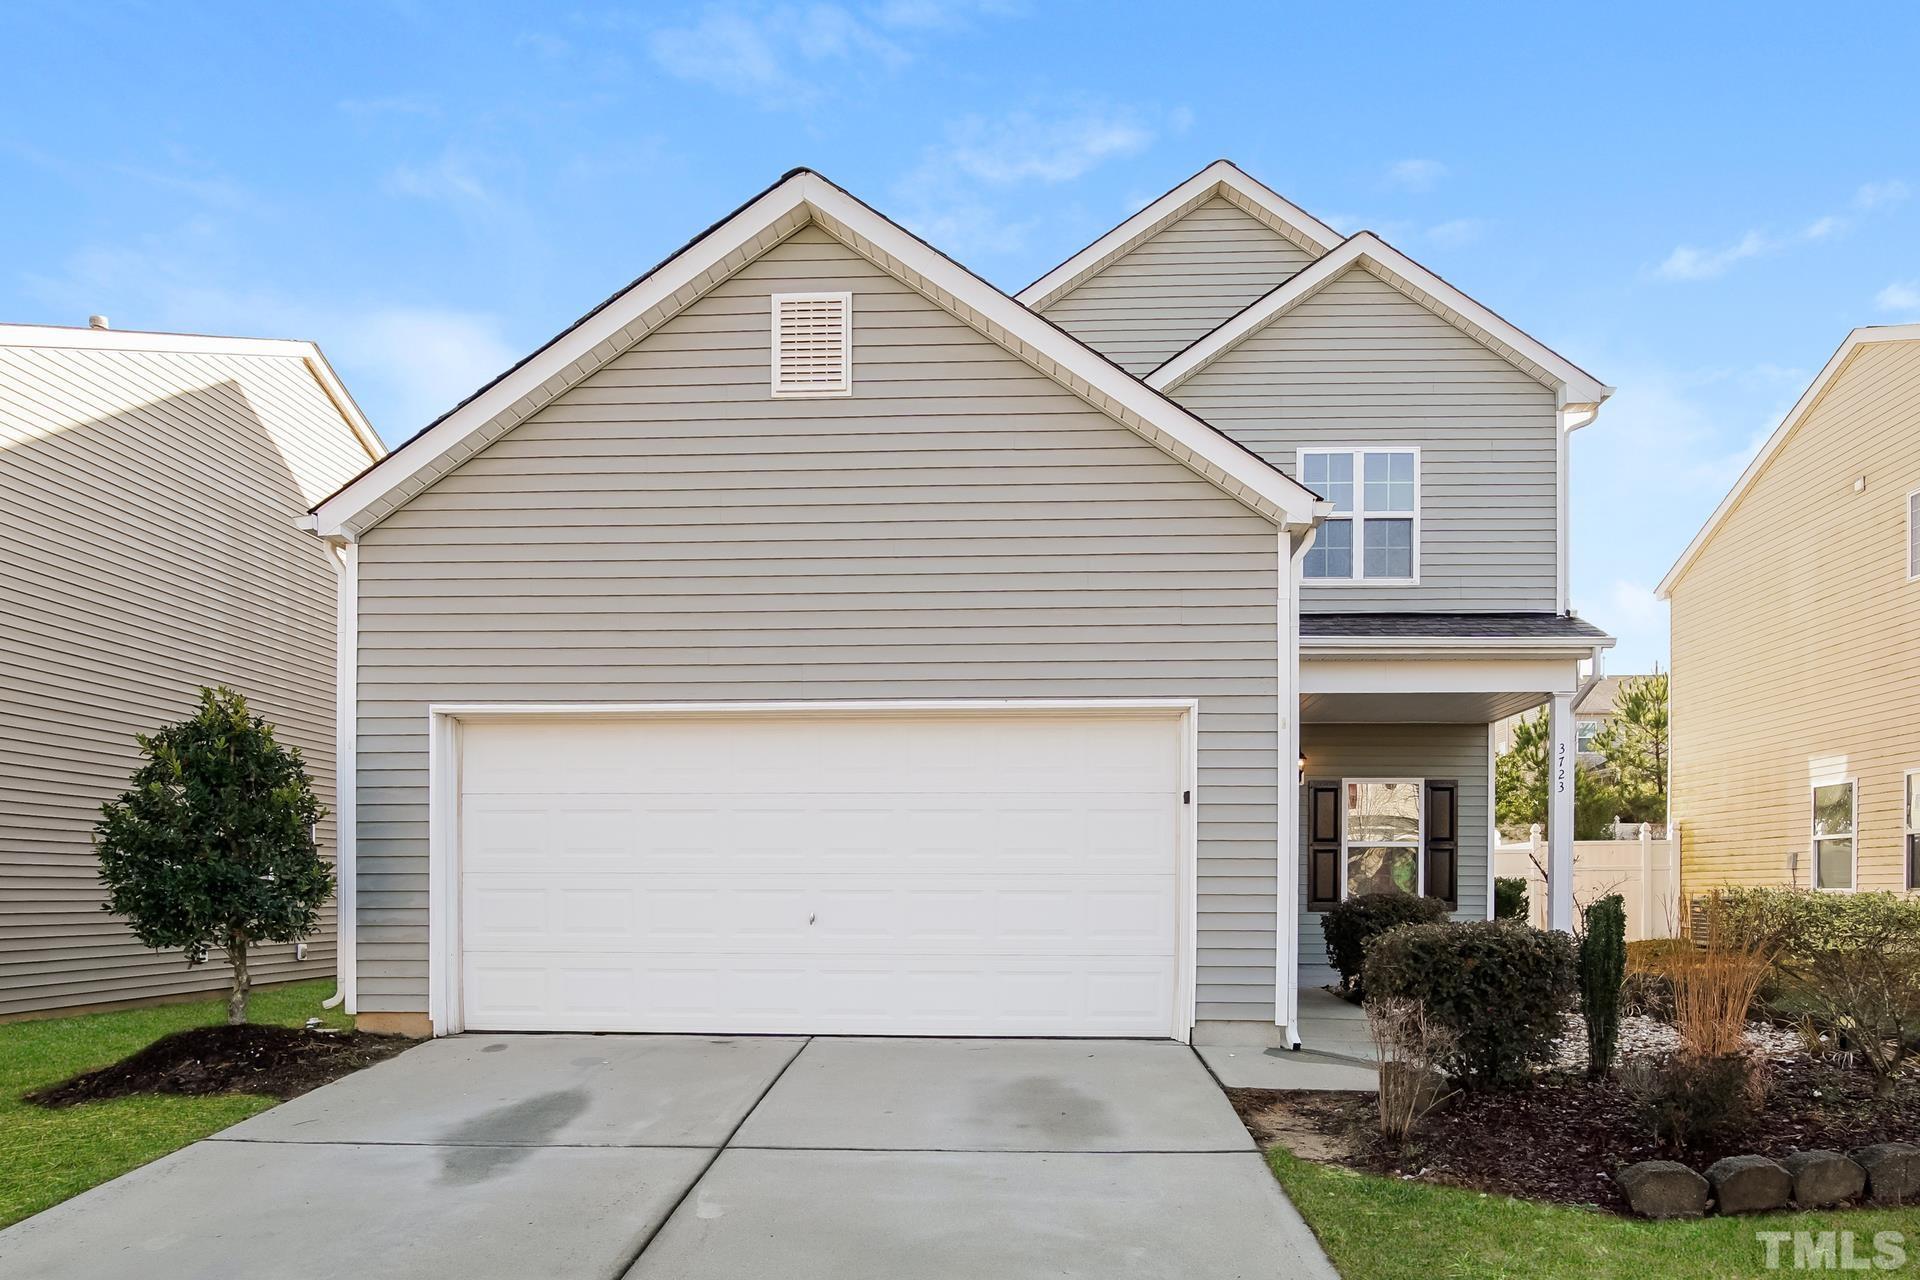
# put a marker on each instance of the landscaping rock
(1749, 1184)
(1893, 1172)
(1823, 1178)
(1663, 1189)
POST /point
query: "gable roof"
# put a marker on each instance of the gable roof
(1366, 250)
(798, 199)
(1222, 179)
(74, 338)
(1815, 392)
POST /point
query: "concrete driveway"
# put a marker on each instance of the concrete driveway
(699, 1157)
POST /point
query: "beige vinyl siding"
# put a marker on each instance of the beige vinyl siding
(149, 548)
(1453, 752)
(959, 527)
(1177, 285)
(1361, 364)
(1796, 641)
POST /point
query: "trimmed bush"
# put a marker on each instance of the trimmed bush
(1689, 1102)
(1501, 988)
(1510, 898)
(1352, 924)
(1603, 970)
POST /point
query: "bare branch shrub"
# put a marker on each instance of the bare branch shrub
(1411, 1046)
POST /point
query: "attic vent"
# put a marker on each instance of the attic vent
(812, 344)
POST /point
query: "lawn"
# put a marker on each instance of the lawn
(47, 1156)
(1385, 1229)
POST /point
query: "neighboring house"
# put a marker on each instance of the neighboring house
(153, 483)
(1796, 670)
(815, 638)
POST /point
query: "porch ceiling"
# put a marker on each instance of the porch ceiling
(1414, 708)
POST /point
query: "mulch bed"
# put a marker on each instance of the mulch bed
(1560, 1140)
(277, 1062)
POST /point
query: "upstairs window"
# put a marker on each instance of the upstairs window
(812, 344)
(1373, 533)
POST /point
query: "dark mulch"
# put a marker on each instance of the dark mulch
(1561, 1139)
(276, 1062)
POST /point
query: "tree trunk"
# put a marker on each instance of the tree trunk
(242, 982)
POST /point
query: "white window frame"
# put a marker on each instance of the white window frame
(1359, 515)
(1913, 561)
(1851, 782)
(1911, 827)
(1419, 840)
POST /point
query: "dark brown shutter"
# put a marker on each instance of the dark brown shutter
(1443, 842)
(1323, 845)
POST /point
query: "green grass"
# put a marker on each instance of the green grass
(1385, 1229)
(47, 1156)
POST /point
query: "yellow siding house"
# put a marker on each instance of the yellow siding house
(1796, 643)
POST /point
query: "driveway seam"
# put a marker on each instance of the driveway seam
(633, 1260)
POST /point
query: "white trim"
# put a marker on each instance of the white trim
(1575, 385)
(1493, 824)
(346, 780)
(1420, 839)
(844, 387)
(1287, 903)
(1562, 530)
(444, 721)
(804, 194)
(1815, 392)
(1221, 178)
(1359, 515)
(62, 337)
(1852, 783)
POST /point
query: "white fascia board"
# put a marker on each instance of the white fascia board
(1220, 176)
(1203, 447)
(1529, 674)
(1812, 396)
(1318, 648)
(73, 338)
(1574, 385)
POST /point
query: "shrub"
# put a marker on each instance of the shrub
(1350, 925)
(1410, 1046)
(212, 845)
(1510, 898)
(1713, 991)
(1689, 1102)
(1603, 969)
(1648, 991)
(1499, 987)
(1858, 976)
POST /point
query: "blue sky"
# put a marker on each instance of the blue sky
(1694, 202)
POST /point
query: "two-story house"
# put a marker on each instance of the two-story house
(1796, 672)
(814, 638)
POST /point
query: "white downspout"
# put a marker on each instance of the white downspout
(1286, 969)
(346, 566)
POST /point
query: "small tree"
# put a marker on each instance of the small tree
(1634, 745)
(213, 845)
(1603, 971)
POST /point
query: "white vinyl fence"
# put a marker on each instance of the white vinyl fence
(1641, 870)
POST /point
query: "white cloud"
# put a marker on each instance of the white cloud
(426, 359)
(1416, 174)
(938, 15)
(1901, 295)
(451, 176)
(1456, 233)
(1872, 195)
(1690, 263)
(770, 54)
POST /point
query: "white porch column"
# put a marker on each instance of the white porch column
(1560, 816)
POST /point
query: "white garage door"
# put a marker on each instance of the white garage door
(979, 874)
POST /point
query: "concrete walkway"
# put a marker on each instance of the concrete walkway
(699, 1157)
(1336, 1052)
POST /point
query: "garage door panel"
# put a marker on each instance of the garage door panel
(957, 875)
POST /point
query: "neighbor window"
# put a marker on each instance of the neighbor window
(1913, 829)
(1373, 533)
(1913, 535)
(1589, 730)
(1380, 838)
(1833, 823)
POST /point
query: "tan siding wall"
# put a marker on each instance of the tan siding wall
(959, 527)
(1178, 285)
(149, 548)
(1359, 364)
(1426, 751)
(1796, 641)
